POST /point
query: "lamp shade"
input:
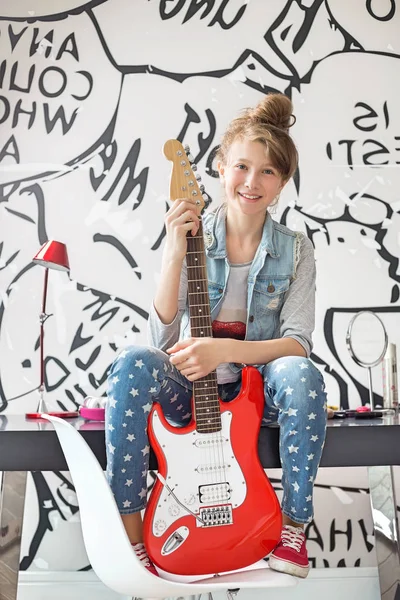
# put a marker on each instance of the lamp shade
(53, 255)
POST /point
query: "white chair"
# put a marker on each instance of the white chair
(108, 547)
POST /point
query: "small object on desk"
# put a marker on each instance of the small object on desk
(371, 414)
(92, 414)
(64, 414)
(93, 409)
(367, 342)
(358, 414)
(351, 412)
(340, 414)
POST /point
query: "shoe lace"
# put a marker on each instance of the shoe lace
(141, 553)
(292, 537)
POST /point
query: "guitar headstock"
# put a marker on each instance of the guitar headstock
(184, 182)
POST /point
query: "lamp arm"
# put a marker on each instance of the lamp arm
(43, 318)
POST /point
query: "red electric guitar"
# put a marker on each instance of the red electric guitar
(212, 508)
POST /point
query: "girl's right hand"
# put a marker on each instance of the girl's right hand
(180, 218)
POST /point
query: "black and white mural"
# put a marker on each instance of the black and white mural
(89, 93)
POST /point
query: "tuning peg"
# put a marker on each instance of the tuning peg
(201, 188)
(194, 167)
(188, 153)
(207, 200)
(198, 177)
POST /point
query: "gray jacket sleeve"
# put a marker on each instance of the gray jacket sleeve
(297, 318)
(161, 335)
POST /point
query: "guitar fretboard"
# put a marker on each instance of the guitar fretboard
(205, 390)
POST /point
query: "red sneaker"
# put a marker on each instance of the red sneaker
(290, 555)
(142, 555)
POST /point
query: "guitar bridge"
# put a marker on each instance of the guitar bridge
(214, 516)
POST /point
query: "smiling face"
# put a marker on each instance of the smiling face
(251, 182)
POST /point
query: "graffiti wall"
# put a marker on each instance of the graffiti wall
(89, 93)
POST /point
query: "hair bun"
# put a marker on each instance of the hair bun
(275, 110)
(268, 123)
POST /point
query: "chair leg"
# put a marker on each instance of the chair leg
(384, 515)
(12, 502)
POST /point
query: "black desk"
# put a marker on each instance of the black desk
(27, 445)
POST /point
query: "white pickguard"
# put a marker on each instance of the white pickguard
(195, 460)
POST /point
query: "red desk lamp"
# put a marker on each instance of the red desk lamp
(52, 255)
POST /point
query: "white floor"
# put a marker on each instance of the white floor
(329, 584)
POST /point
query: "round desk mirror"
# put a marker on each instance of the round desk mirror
(367, 342)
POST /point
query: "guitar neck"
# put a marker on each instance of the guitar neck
(205, 390)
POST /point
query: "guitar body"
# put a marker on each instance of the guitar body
(218, 477)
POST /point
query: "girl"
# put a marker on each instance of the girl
(262, 298)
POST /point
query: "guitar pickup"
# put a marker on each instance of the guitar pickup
(214, 493)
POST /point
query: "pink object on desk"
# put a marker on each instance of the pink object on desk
(93, 408)
(93, 414)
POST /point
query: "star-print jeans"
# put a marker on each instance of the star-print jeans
(294, 398)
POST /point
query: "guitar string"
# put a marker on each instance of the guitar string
(201, 385)
(198, 283)
(216, 456)
(213, 461)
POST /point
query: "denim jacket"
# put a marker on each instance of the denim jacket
(280, 290)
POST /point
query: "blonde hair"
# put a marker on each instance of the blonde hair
(269, 123)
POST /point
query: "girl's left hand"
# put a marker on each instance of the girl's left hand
(197, 357)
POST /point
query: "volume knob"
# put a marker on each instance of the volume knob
(160, 526)
(190, 499)
(174, 510)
